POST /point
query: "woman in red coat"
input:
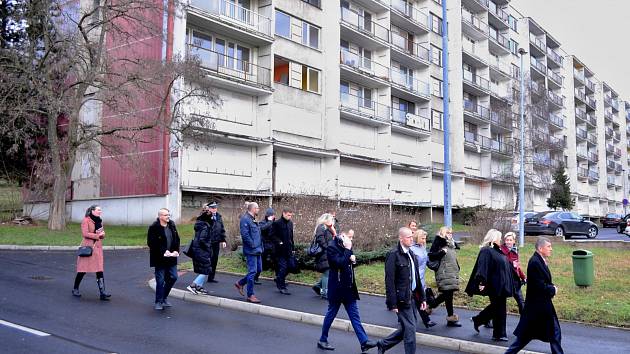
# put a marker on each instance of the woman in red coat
(511, 251)
(93, 235)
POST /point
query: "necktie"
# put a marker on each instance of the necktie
(413, 272)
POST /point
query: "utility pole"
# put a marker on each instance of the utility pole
(521, 177)
(448, 216)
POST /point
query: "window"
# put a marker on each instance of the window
(437, 119)
(316, 3)
(365, 97)
(201, 47)
(310, 35)
(280, 70)
(516, 72)
(436, 23)
(513, 46)
(436, 55)
(437, 87)
(311, 83)
(512, 21)
(283, 24)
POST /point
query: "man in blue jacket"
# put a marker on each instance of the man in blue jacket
(252, 249)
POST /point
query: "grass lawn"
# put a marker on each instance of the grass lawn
(605, 303)
(71, 236)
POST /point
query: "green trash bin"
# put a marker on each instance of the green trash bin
(583, 271)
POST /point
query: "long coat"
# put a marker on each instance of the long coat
(539, 319)
(156, 240)
(323, 236)
(342, 286)
(281, 235)
(94, 263)
(493, 270)
(217, 229)
(447, 275)
(202, 248)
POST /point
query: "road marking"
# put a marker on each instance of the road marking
(25, 329)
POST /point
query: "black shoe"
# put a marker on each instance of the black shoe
(284, 291)
(429, 324)
(325, 346)
(368, 345)
(166, 304)
(76, 293)
(158, 306)
(453, 324)
(317, 290)
(257, 282)
(500, 339)
(212, 281)
(101, 289)
(475, 324)
(380, 348)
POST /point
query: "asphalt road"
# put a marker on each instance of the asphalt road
(35, 293)
(603, 235)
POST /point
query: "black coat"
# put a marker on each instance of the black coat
(493, 270)
(217, 230)
(281, 235)
(538, 319)
(201, 248)
(342, 286)
(323, 236)
(156, 240)
(398, 280)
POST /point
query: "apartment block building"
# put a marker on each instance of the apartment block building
(344, 100)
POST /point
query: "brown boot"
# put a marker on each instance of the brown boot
(453, 321)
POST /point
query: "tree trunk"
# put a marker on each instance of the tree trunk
(57, 208)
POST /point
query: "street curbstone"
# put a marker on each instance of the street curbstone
(63, 248)
(312, 319)
(442, 342)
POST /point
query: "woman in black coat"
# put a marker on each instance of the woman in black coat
(492, 277)
(324, 233)
(201, 253)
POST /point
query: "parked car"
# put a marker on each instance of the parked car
(560, 223)
(611, 220)
(622, 224)
(510, 221)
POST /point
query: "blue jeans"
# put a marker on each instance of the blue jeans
(165, 278)
(353, 313)
(322, 283)
(200, 279)
(254, 265)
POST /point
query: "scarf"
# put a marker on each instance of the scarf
(98, 222)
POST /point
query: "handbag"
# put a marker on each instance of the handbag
(292, 265)
(85, 251)
(314, 249)
(433, 265)
(188, 249)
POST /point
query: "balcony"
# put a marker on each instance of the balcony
(627, 116)
(580, 94)
(610, 181)
(501, 120)
(500, 92)
(581, 134)
(582, 173)
(538, 112)
(363, 31)
(618, 168)
(541, 160)
(499, 44)
(232, 20)
(479, 85)
(406, 85)
(590, 85)
(593, 176)
(608, 116)
(580, 114)
(502, 148)
(540, 136)
(538, 46)
(476, 5)
(417, 124)
(479, 113)
(555, 78)
(363, 70)
(591, 120)
(408, 17)
(473, 26)
(556, 121)
(610, 165)
(579, 76)
(501, 70)
(474, 141)
(474, 55)
(499, 17)
(608, 132)
(232, 73)
(617, 137)
(555, 59)
(591, 139)
(610, 148)
(537, 88)
(540, 66)
(591, 103)
(581, 154)
(592, 157)
(411, 54)
(615, 105)
(617, 153)
(557, 143)
(555, 98)
(363, 109)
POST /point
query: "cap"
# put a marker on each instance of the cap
(212, 205)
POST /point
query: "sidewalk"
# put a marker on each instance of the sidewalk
(576, 338)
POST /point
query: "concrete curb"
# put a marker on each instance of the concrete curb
(341, 324)
(64, 248)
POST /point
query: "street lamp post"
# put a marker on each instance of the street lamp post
(521, 177)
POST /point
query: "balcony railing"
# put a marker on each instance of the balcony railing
(500, 39)
(557, 142)
(610, 165)
(610, 180)
(474, 21)
(409, 82)
(582, 172)
(483, 141)
(420, 120)
(580, 113)
(579, 75)
(581, 133)
(537, 88)
(410, 12)
(236, 13)
(538, 43)
(590, 119)
(231, 67)
(500, 66)
(364, 106)
(590, 84)
(541, 136)
(610, 148)
(538, 112)
(608, 115)
(617, 152)
(591, 102)
(580, 94)
(592, 157)
(411, 48)
(541, 160)
(581, 154)
(618, 167)
(556, 120)
(554, 97)
(501, 119)
(499, 12)
(502, 147)
(593, 175)
(363, 25)
(364, 64)
(608, 132)
(476, 80)
(557, 58)
(477, 110)
(539, 65)
(592, 138)
(555, 77)
(615, 105)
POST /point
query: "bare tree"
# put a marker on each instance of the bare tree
(80, 63)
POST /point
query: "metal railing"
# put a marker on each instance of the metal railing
(592, 138)
(608, 114)
(483, 141)
(590, 84)
(538, 112)
(411, 48)
(591, 102)
(410, 12)
(610, 165)
(231, 67)
(590, 119)
(499, 12)
(593, 175)
(476, 80)
(476, 109)
(539, 65)
(579, 75)
(557, 142)
(617, 153)
(554, 97)
(366, 65)
(610, 180)
(556, 120)
(364, 107)
(538, 43)
(580, 113)
(593, 157)
(580, 153)
(582, 172)
(608, 132)
(618, 167)
(234, 12)
(555, 56)
(420, 120)
(474, 50)
(501, 66)
(363, 25)
(409, 82)
(580, 94)
(537, 88)
(501, 119)
(581, 133)
(541, 160)
(541, 136)
(555, 77)
(500, 39)
(502, 147)
(474, 21)
(610, 148)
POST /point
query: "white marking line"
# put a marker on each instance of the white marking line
(25, 329)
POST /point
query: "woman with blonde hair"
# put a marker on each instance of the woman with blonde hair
(492, 277)
(324, 233)
(510, 250)
(447, 273)
(419, 249)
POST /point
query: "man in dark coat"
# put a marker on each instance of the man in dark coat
(403, 286)
(163, 242)
(268, 256)
(539, 319)
(217, 237)
(282, 237)
(201, 252)
(342, 289)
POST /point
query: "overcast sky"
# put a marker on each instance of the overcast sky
(596, 32)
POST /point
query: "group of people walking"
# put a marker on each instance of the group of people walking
(496, 273)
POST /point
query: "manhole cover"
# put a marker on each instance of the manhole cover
(40, 277)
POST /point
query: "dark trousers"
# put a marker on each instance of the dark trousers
(165, 278)
(425, 316)
(214, 259)
(353, 313)
(518, 296)
(406, 331)
(282, 268)
(554, 343)
(445, 296)
(497, 312)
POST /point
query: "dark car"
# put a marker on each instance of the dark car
(622, 224)
(611, 220)
(560, 223)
